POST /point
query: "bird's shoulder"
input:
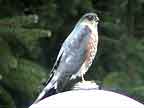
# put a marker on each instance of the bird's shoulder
(77, 37)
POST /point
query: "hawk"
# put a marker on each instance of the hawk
(75, 56)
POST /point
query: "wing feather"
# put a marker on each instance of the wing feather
(55, 65)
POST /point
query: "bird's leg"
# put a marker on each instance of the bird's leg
(83, 80)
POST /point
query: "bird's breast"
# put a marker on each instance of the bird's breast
(76, 44)
(91, 47)
(80, 37)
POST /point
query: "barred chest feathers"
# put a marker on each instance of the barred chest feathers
(92, 46)
(91, 49)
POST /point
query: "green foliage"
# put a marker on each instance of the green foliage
(6, 99)
(24, 80)
(21, 75)
(137, 93)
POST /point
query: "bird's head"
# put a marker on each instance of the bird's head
(90, 19)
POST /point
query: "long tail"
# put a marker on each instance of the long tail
(49, 90)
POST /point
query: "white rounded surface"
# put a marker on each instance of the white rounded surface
(88, 99)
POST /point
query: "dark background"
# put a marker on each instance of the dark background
(31, 34)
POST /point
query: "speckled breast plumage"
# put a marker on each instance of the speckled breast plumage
(91, 48)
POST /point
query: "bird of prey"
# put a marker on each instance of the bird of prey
(76, 54)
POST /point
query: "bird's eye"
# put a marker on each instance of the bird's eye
(90, 18)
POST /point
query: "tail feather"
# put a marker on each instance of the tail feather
(45, 94)
(49, 90)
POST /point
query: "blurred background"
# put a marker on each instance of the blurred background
(32, 32)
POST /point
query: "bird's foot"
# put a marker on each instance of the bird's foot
(83, 80)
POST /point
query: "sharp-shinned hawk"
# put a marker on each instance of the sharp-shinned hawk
(76, 54)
